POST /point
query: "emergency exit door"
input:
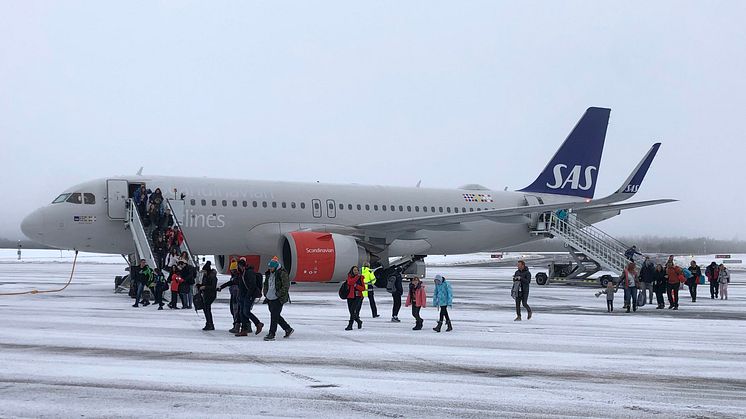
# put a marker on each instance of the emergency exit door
(316, 204)
(116, 198)
(331, 210)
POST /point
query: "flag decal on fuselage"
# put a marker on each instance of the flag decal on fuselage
(477, 197)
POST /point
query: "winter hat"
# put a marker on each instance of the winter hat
(233, 266)
(274, 263)
(439, 279)
(207, 267)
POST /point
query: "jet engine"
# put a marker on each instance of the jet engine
(320, 257)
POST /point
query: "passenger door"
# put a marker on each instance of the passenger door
(116, 198)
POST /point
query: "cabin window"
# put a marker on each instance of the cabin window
(440, 209)
(359, 207)
(367, 207)
(463, 209)
(193, 202)
(341, 206)
(235, 203)
(264, 204)
(225, 203)
(254, 204)
(274, 204)
(349, 207)
(284, 204)
(292, 205)
(424, 209)
(416, 208)
(302, 205)
(432, 209)
(409, 208)
(471, 209)
(89, 198)
(448, 210)
(375, 207)
(245, 204)
(214, 203)
(383, 207)
(401, 208)
(203, 202)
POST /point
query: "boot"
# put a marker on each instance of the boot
(235, 328)
(627, 309)
(288, 333)
(517, 319)
(349, 325)
(448, 322)
(208, 327)
(243, 332)
(437, 328)
(418, 325)
(269, 337)
(359, 323)
(530, 313)
(259, 327)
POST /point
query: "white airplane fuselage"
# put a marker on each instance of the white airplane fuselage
(250, 217)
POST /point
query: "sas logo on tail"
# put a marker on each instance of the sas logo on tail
(631, 189)
(573, 177)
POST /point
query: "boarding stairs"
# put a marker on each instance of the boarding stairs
(143, 240)
(584, 238)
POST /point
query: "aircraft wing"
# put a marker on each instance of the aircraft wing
(453, 222)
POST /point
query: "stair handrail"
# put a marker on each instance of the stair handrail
(139, 234)
(187, 249)
(590, 241)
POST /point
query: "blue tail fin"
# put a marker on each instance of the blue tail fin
(574, 168)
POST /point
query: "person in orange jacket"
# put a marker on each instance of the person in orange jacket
(674, 277)
(417, 298)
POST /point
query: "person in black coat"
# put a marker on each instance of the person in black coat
(208, 288)
(189, 274)
(694, 280)
(247, 292)
(522, 277)
(396, 295)
(659, 285)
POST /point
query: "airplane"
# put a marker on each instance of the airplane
(320, 230)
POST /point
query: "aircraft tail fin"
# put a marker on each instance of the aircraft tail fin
(573, 169)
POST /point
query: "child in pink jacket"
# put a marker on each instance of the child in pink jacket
(417, 299)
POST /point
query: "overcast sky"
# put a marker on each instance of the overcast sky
(382, 92)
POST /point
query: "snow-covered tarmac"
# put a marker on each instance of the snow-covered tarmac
(86, 352)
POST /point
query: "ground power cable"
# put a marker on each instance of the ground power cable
(35, 291)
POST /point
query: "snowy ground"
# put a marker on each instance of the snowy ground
(86, 352)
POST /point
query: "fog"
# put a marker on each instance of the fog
(376, 93)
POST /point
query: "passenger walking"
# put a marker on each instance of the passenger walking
(692, 282)
(631, 252)
(630, 279)
(673, 278)
(249, 288)
(397, 290)
(417, 298)
(723, 280)
(176, 281)
(609, 291)
(155, 209)
(140, 276)
(208, 289)
(232, 286)
(647, 277)
(141, 201)
(160, 286)
(660, 285)
(369, 280)
(355, 290)
(443, 298)
(712, 272)
(172, 259)
(189, 274)
(521, 281)
(277, 292)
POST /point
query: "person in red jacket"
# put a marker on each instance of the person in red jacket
(356, 286)
(417, 298)
(176, 280)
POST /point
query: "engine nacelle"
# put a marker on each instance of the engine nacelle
(320, 257)
(223, 262)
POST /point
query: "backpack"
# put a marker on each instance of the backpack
(344, 290)
(391, 284)
(259, 285)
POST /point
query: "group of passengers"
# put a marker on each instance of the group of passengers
(165, 235)
(640, 285)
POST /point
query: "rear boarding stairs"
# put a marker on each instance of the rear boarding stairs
(592, 249)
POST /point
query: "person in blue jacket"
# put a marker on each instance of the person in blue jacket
(443, 298)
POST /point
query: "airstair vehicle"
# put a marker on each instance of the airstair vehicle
(143, 240)
(592, 249)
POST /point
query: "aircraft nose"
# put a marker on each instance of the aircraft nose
(33, 225)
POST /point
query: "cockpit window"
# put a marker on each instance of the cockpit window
(61, 198)
(75, 198)
(89, 198)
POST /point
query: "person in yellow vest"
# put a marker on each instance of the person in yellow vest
(370, 279)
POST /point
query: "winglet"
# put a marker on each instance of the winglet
(633, 182)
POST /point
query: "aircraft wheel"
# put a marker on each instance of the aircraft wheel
(604, 280)
(541, 278)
